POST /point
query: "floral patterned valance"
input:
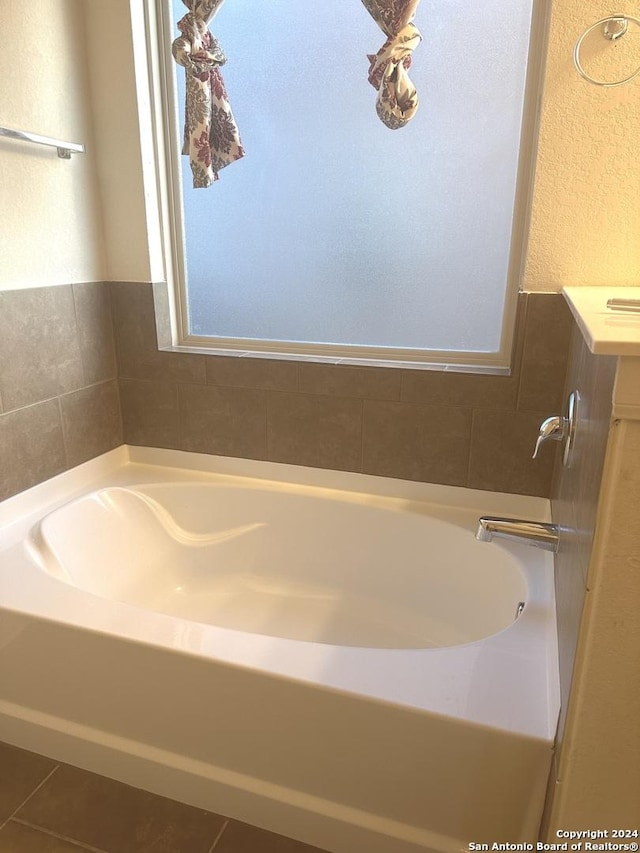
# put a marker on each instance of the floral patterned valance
(211, 137)
(397, 99)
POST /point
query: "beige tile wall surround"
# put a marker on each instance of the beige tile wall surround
(39, 345)
(59, 405)
(225, 421)
(595, 782)
(31, 446)
(91, 421)
(315, 430)
(267, 374)
(542, 379)
(150, 413)
(440, 426)
(501, 452)
(417, 442)
(137, 340)
(575, 498)
(95, 331)
(59, 397)
(361, 382)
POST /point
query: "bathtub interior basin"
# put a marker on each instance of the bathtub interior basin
(308, 566)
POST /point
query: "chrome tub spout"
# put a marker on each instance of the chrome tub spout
(535, 533)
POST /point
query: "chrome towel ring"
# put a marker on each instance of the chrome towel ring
(613, 28)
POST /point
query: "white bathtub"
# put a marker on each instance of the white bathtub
(329, 655)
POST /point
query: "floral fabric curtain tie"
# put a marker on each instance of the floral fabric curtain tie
(397, 100)
(211, 137)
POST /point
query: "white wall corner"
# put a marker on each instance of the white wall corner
(146, 67)
(119, 117)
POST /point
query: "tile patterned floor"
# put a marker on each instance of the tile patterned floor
(46, 807)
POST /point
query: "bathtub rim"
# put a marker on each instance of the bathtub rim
(46, 494)
(22, 511)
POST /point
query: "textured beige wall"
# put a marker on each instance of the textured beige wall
(585, 223)
(49, 208)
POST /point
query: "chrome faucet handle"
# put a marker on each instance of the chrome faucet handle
(557, 428)
(552, 429)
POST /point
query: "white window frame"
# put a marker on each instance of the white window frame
(163, 102)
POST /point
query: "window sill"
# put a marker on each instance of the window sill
(490, 369)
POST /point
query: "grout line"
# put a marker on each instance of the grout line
(79, 844)
(90, 385)
(469, 457)
(31, 405)
(519, 392)
(64, 433)
(116, 383)
(218, 837)
(403, 380)
(177, 397)
(268, 426)
(114, 327)
(26, 800)
(76, 328)
(362, 417)
(265, 402)
(522, 335)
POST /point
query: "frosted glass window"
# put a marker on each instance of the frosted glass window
(335, 229)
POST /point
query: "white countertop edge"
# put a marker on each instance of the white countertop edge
(605, 332)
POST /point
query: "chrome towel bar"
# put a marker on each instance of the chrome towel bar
(65, 149)
(631, 305)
